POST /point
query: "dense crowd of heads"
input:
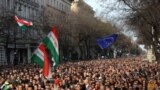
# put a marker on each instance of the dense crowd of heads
(109, 74)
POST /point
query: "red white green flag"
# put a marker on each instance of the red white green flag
(23, 24)
(41, 58)
(51, 43)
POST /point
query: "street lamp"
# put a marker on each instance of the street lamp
(15, 48)
(15, 53)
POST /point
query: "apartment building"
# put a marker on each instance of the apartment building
(21, 44)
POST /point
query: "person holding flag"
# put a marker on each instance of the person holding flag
(6, 86)
(48, 47)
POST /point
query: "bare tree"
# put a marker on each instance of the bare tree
(143, 15)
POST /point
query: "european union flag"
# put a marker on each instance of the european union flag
(106, 41)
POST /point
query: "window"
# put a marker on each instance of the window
(42, 2)
(31, 12)
(21, 12)
(24, 11)
(36, 1)
(57, 4)
(39, 2)
(2, 56)
(28, 12)
(62, 8)
(66, 8)
(54, 2)
(1, 2)
(8, 4)
(27, 9)
(35, 14)
(50, 2)
(12, 1)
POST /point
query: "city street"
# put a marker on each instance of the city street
(79, 45)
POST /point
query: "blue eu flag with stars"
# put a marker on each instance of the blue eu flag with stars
(106, 41)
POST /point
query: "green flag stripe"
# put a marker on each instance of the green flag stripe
(6, 87)
(23, 28)
(51, 49)
(37, 60)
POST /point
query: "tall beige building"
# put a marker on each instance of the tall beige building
(80, 7)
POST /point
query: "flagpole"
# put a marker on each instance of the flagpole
(102, 56)
(15, 53)
(14, 33)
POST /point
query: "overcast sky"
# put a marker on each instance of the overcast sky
(114, 16)
(94, 4)
(111, 16)
(98, 7)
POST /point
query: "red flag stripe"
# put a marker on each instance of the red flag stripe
(46, 66)
(54, 31)
(22, 21)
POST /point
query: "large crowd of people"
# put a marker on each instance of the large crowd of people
(108, 74)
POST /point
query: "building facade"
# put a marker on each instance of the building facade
(19, 45)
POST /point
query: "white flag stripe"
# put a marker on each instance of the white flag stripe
(54, 63)
(54, 38)
(53, 42)
(56, 41)
(40, 54)
(25, 21)
(50, 73)
(20, 24)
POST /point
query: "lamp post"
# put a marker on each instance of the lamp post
(15, 44)
(153, 39)
(15, 53)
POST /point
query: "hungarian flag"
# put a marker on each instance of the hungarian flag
(5, 86)
(23, 24)
(41, 58)
(51, 43)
